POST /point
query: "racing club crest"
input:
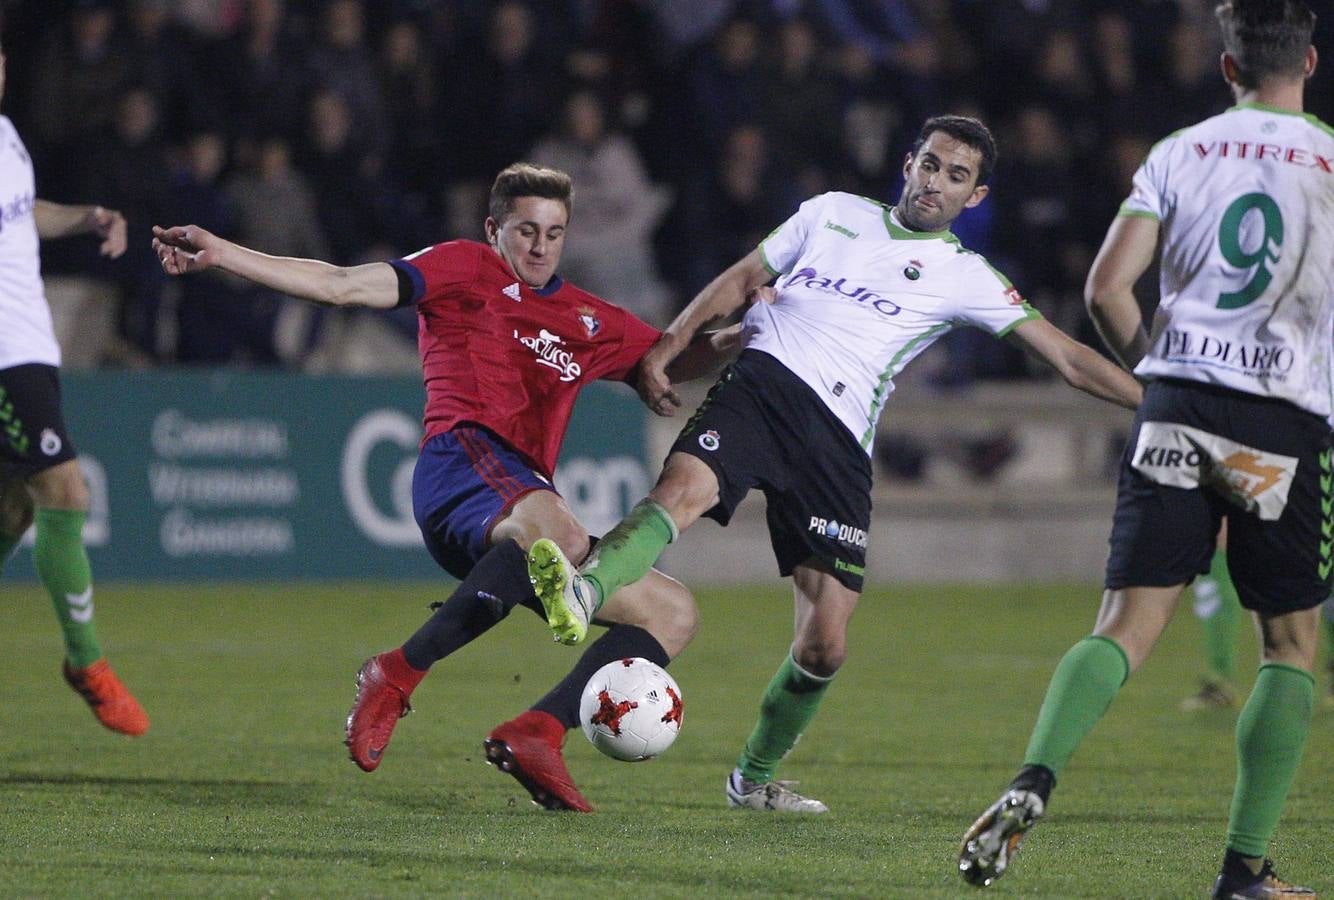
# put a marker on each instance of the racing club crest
(592, 324)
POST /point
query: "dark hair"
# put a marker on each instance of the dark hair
(1267, 38)
(967, 130)
(528, 180)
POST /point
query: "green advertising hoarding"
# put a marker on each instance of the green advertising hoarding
(240, 475)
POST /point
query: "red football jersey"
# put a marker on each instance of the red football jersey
(503, 355)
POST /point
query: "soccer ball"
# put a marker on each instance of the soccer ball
(631, 709)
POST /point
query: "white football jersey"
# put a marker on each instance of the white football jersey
(860, 296)
(1246, 204)
(26, 333)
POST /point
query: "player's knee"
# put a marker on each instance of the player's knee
(686, 488)
(676, 619)
(662, 606)
(821, 657)
(572, 538)
(60, 487)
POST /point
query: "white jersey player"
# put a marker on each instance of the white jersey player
(859, 296)
(862, 289)
(1244, 200)
(1232, 424)
(40, 480)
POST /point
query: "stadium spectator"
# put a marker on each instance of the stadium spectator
(619, 207)
(123, 168)
(1252, 431)
(40, 480)
(342, 62)
(81, 71)
(267, 75)
(506, 346)
(210, 319)
(795, 415)
(274, 209)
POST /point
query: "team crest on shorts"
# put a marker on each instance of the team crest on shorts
(50, 443)
(709, 440)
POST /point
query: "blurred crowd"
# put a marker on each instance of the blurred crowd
(357, 130)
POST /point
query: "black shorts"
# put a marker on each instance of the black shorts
(762, 426)
(1200, 452)
(32, 430)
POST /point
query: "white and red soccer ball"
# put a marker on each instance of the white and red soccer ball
(631, 709)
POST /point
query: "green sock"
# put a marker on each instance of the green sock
(1084, 684)
(787, 707)
(1271, 732)
(62, 565)
(629, 550)
(1218, 608)
(7, 544)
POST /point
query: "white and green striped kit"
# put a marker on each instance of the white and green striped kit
(860, 296)
(1246, 202)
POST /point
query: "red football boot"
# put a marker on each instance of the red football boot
(112, 702)
(380, 702)
(528, 747)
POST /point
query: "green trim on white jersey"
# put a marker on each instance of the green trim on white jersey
(1130, 212)
(880, 395)
(860, 296)
(1278, 110)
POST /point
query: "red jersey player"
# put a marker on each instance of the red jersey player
(506, 345)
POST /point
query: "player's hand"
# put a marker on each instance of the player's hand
(184, 249)
(655, 388)
(109, 225)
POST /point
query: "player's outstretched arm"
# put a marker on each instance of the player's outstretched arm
(1080, 365)
(1127, 251)
(720, 298)
(185, 249)
(57, 220)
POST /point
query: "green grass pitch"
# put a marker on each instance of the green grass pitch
(242, 786)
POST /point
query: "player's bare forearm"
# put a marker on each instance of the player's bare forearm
(1117, 317)
(1109, 293)
(187, 249)
(1081, 366)
(707, 352)
(58, 220)
(718, 300)
(1094, 374)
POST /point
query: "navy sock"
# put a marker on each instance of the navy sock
(496, 584)
(620, 642)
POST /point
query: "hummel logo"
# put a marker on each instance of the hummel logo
(512, 292)
(81, 606)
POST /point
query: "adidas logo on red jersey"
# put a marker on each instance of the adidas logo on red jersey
(512, 292)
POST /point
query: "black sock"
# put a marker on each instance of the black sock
(1235, 868)
(1038, 779)
(496, 584)
(620, 642)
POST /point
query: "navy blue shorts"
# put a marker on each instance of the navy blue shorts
(32, 429)
(1200, 452)
(762, 426)
(465, 480)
